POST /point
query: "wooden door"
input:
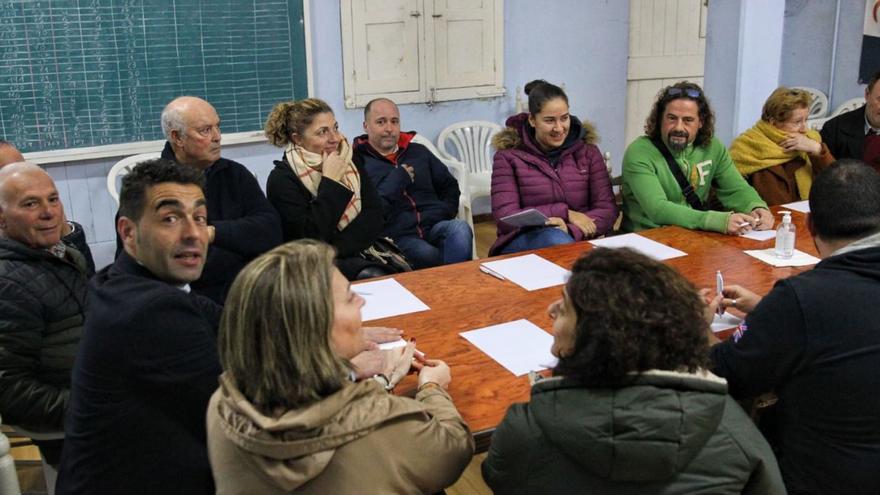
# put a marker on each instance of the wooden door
(667, 43)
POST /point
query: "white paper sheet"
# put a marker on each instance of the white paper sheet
(520, 346)
(386, 298)
(760, 235)
(641, 244)
(531, 272)
(392, 345)
(801, 206)
(725, 321)
(799, 258)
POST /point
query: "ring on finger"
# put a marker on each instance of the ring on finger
(733, 303)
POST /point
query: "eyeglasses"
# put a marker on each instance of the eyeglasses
(679, 92)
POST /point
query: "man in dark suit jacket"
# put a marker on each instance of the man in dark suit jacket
(242, 224)
(856, 134)
(148, 359)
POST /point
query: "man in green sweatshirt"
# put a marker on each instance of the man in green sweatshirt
(682, 122)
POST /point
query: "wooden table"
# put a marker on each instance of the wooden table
(462, 298)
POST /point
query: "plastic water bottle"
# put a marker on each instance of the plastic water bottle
(785, 236)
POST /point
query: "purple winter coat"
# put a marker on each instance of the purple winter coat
(522, 178)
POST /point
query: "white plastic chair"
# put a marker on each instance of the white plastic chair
(8, 476)
(50, 474)
(819, 106)
(471, 143)
(123, 167)
(459, 171)
(847, 106)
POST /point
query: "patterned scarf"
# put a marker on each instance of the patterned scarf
(308, 167)
(758, 148)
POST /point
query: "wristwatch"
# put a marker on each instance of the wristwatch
(384, 381)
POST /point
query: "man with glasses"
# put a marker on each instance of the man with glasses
(856, 134)
(670, 173)
(241, 222)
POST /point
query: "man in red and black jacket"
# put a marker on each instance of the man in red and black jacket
(419, 195)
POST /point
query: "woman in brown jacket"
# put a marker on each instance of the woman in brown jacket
(287, 416)
(779, 155)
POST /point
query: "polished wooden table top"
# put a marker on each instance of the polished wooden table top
(462, 298)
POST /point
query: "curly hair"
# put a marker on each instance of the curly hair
(679, 90)
(292, 117)
(633, 314)
(133, 194)
(782, 102)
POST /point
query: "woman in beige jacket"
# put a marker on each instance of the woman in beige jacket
(287, 416)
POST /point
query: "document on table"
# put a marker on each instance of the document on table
(520, 346)
(531, 272)
(801, 206)
(799, 258)
(725, 321)
(641, 244)
(760, 235)
(386, 298)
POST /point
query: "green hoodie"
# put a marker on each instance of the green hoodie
(652, 197)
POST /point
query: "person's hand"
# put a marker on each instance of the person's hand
(333, 166)
(739, 298)
(558, 223)
(380, 335)
(740, 223)
(411, 171)
(435, 371)
(398, 362)
(764, 218)
(800, 142)
(368, 363)
(583, 222)
(713, 302)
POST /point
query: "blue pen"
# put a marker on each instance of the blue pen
(719, 289)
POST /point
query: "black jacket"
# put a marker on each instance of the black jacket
(304, 216)
(845, 134)
(815, 341)
(146, 369)
(410, 206)
(245, 224)
(42, 309)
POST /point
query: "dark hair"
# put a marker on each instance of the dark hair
(845, 201)
(679, 90)
(633, 314)
(873, 81)
(540, 92)
(132, 197)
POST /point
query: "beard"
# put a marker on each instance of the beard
(678, 145)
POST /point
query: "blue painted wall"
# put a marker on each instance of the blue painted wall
(581, 43)
(808, 37)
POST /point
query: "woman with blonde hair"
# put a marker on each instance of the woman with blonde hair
(317, 189)
(287, 416)
(779, 155)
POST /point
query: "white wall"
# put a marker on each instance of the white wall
(581, 43)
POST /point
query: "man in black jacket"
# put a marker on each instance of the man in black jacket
(856, 134)
(814, 341)
(419, 195)
(42, 304)
(241, 222)
(148, 359)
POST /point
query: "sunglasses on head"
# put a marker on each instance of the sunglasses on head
(679, 92)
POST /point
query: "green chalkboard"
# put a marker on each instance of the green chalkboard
(96, 72)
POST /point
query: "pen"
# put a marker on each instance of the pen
(490, 272)
(719, 288)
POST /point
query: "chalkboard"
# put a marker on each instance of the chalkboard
(96, 72)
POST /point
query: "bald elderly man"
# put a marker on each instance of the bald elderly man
(42, 304)
(242, 224)
(71, 232)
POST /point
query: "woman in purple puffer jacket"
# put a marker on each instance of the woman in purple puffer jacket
(546, 160)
